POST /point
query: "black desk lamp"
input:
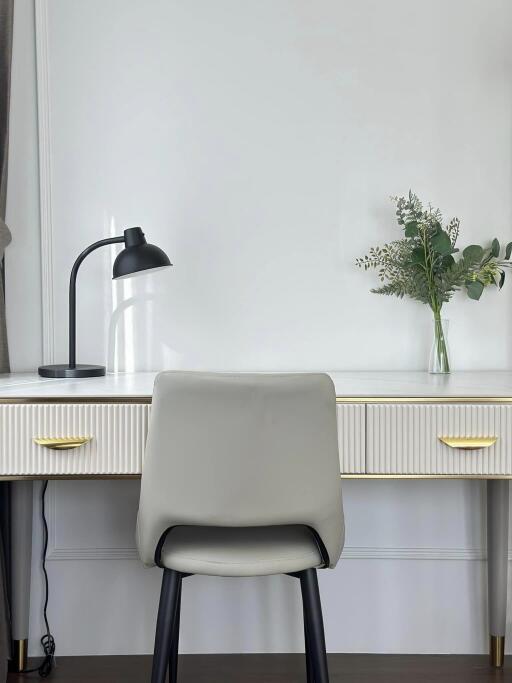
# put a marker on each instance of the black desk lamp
(136, 257)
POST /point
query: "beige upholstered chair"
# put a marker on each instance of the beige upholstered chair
(240, 478)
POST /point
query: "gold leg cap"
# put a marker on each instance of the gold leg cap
(497, 650)
(19, 659)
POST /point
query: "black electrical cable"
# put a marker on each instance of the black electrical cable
(47, 641)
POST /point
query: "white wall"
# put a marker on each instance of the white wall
(412, 578)
(258, 143)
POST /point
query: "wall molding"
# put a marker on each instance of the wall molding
(413, 553)
(45, 178)
(56, 554)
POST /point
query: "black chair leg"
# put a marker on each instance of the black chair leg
(169, 594)
(314, 626)
(309, 664)
(173, 657)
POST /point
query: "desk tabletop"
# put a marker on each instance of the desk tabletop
(484, 385)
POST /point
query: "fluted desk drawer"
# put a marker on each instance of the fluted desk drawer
(406, 439)
(351, 438)
(117, 438)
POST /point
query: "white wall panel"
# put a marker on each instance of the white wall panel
(411, 579)
(258, 143)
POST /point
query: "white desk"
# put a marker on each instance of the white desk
(390, 426)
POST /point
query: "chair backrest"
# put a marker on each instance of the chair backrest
(241, 450)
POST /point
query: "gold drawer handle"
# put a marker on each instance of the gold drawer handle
(62, 443)
(468, 443)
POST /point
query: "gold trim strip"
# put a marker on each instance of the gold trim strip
(19, 660)
(497, 651)
(146, 400)
(426, 476)
(66, 477)
(104, 400)
(424, 399)
(468, 443)
(62, 443)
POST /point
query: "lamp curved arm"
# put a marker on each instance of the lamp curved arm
(72, 292)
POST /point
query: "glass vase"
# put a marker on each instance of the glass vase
(440, 353)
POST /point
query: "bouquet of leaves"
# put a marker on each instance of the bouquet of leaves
(425, 264)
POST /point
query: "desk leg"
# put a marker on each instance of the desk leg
(21, 560)
(497, 565)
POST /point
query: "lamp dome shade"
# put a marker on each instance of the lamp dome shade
(138, 255)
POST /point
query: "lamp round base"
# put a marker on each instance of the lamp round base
(55, 371)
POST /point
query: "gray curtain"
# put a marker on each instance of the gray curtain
(6, 24)
(6, 21)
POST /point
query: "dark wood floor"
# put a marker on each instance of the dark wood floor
(281, 669)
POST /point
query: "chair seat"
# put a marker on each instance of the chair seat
(240, 551)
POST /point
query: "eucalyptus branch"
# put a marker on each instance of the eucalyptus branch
(425, 264)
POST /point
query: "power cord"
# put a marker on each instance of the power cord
(47, 641)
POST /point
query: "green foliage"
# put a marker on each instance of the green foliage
(422, 264)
